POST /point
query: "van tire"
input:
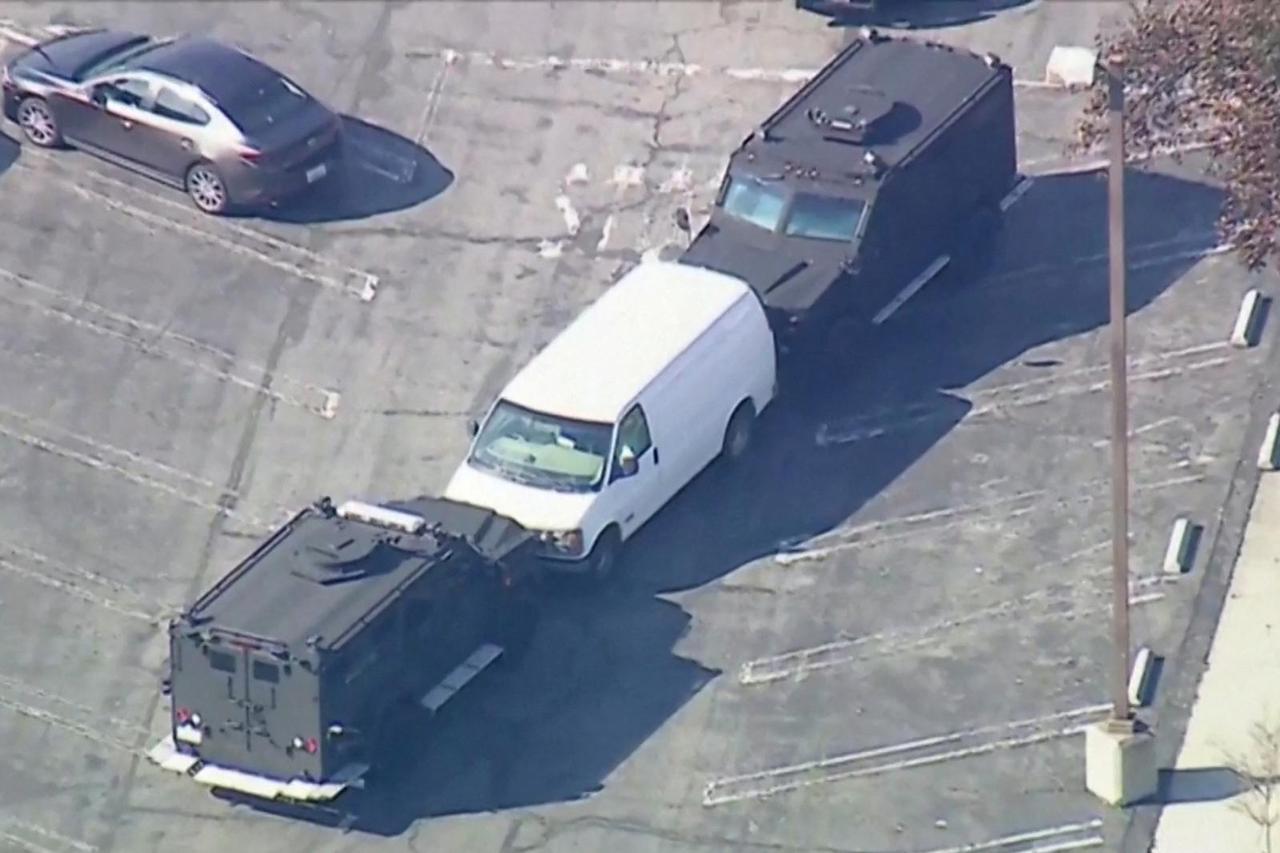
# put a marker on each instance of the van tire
(604, 555)
(739, 432)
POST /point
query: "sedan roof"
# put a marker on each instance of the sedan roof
(221, 72)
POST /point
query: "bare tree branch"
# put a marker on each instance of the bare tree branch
(1258, 770)
(1205, 71)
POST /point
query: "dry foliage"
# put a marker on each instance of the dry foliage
(1259, 773)
(1205, 71)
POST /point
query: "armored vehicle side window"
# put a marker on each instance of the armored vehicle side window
(824, 217)
(755, 201)
(268, 672)
(222, 661)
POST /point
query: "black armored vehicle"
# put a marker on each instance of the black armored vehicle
(289, 676)
(888, 166)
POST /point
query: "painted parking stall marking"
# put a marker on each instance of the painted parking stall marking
(923, 752)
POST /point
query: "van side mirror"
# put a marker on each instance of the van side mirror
(627, 463)
(473, 427)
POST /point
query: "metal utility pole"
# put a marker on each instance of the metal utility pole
(1121, 714)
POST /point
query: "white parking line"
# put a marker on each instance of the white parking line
(909, 526)
(1007, 843)
(48, 834)
(798, 663)
(353, 282)
(322, 402)
(648, 67)
(434, 95)
(43, 578)
(921, 752)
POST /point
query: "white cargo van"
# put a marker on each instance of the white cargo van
(663, 373)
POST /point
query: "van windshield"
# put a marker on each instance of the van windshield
(543, 450)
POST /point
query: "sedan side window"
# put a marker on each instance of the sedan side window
(131, 93)
(171, 105)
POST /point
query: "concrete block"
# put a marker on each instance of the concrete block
(1242, 334)
(1175, 556)
(1120, 766)
(1267, 453)
(1140, 676)
(1071, 66)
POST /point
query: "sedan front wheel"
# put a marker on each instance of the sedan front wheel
(38, 123)
(206, 188)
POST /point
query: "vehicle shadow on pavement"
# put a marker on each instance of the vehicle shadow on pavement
(823, 455)
(9, 151)
(913, 14)
(381, 172)
(603, 675)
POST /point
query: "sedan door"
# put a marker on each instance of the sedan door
(118, 106)
(168, 142)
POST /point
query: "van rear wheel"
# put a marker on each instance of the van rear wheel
(739, 432)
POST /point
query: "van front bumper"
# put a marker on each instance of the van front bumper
(169, 756)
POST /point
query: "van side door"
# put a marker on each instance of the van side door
(634, 497)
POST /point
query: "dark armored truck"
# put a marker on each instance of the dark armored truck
(288, 676)
(888, 166)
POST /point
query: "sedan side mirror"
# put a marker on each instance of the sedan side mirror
(627, 462)
(98, 95)
(473, 427)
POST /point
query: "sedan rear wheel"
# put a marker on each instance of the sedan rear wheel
(206, 188)
(38, 123)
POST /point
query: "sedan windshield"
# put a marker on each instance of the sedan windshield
(824, 217)
(265, 104)
(543, 450)
(756, 201)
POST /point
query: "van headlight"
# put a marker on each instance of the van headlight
(566, 542)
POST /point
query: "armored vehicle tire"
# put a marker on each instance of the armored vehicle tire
(518, 635)
(739, 432)
(604, 556)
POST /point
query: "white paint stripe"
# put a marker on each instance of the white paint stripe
(1018, 191)
(325, 405)
(45, 832)
(90, 461)
(356, 282)
(76, 591)
(57, 721)
(827, 770)
(831, 434)
(912, 288)
(599, 65)
(603, 243)
(1083, 844)
(572, 222)
(10, 33)
(1060, 166)
(434, 96)
(1021, 837)
(839, 653)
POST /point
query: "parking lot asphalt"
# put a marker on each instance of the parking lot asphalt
(883, 633)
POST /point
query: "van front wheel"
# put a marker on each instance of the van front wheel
(739, 432)
(604, 555)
